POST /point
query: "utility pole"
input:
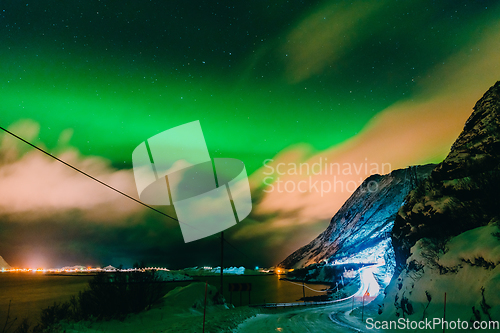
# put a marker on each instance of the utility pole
(444, 312)
(363, 308)
(205, 306)
(221, 262)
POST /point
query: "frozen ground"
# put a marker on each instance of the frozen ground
(332, 318)
(182, 311)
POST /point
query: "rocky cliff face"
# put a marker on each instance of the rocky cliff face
(462, 192)
(360, 231)
(445, 231)
(447, 234)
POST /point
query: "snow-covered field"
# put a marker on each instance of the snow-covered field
(181, 310)
(172, 275)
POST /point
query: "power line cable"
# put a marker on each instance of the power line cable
(234, 247)
(318, 291)
(86, 174)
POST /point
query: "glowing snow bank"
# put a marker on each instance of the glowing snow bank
(172, 276)
(230, 270)
(375, 254)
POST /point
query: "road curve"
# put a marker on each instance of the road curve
(319, 318)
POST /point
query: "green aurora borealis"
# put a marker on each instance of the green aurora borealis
(115, 108)
(261, 77)
(119, 73)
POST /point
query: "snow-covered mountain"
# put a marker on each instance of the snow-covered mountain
(447, 235)
(444, 225)
(462, 192)
(360, 231)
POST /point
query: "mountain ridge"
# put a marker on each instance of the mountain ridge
(460, 193)
(445, 235)
(363, 222)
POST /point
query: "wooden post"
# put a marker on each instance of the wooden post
(363, 308)
(205, 306)
(221, 262)
(444, 313)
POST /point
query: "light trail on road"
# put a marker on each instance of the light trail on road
(318, 318)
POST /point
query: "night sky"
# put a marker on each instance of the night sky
(379, 82)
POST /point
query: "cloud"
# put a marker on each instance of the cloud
(415, 130)
(54, 199)
(51, 215)
(324, 36)
(35, 185)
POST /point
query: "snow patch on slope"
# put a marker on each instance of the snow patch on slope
(466, 268)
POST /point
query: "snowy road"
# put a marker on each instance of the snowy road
(369, 285)
(316, 319)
